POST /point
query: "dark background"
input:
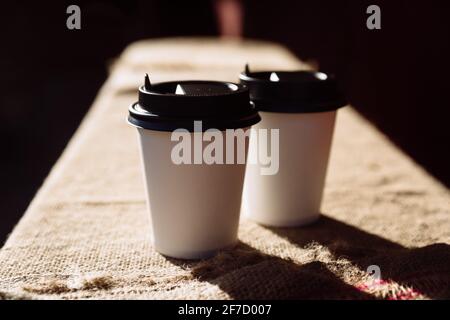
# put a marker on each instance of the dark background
(397, 76)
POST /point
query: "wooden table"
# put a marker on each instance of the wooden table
(86, 233)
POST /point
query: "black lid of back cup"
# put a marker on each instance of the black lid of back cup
(293, 91)
(168, 106)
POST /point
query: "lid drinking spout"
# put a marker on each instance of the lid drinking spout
(147, 83)
(247, 69)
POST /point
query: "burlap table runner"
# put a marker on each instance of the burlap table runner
(86, 233)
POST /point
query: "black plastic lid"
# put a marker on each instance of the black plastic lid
(167, 106)
(293, 91)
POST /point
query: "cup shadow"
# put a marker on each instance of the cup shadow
(246, 273)
(426, 270)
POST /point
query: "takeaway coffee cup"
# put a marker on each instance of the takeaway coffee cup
(194, 203)
(302, 106)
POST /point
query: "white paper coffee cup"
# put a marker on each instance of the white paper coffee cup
(194, 207)
(302, 107)
(293, 195)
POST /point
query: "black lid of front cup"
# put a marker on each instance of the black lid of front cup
(167, 106)
(293, 91)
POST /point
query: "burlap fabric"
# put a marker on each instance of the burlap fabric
(86, 233)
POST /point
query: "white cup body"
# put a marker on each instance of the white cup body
(292, 196)
(194, 208)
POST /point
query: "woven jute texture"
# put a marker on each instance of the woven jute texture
(86, 233)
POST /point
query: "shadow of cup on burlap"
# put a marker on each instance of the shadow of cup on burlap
(246, 273)
(426, 270)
